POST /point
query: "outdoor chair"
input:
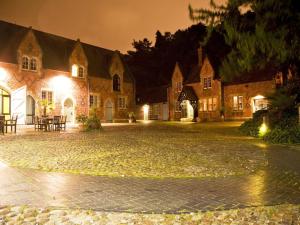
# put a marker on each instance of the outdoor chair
(12, 123)
(39, 123)
(56, 122)
(63, 122)
(2, 121)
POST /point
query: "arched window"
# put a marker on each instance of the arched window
(25, 63)
(116, 83)
(33, 64)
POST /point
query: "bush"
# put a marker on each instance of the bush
(93, 122)
(283, 135)
(251, 127)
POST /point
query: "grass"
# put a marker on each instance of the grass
(143, 150)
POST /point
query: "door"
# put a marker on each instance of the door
(69, 110)
(18, 104)
(30, 109)
(109, 111)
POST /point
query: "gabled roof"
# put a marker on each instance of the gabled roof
(56, 51)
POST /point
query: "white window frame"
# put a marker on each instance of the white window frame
(33, 66)
(122, 104)
(27, 62)
(47, 92)
(215, 103)
(238, 104)
(96, 104)
(207, 82)
(81, 71)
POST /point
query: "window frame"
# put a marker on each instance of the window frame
(27, 62)
(33, 59)
(48, 93)
(122, 104)
(238, 103)
(207, 82)
(98, 100)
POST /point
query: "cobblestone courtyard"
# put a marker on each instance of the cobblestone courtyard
(278, 182)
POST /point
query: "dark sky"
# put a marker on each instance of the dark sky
(110, 24)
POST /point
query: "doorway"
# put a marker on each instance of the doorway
(5, 103)
(69, 110)
(187, 111)
(109, 111)
(30, 109)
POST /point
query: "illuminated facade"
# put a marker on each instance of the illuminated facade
(199, 94)
(41, 73)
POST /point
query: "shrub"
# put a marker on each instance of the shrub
(284, 135)
(93, 122)
(251, 127)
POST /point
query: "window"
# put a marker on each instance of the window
(210, 104)
(155, 111)
(94, 101)
(74, 70)
(122, 103)
(81, 72)
(33, 63)
(214, 104)
(178, 86)
(47, 96)
(207, 82)
(116, 83)
(29, 63)
(25, 63)
(205, 104)
(177, 106)
(238, 103)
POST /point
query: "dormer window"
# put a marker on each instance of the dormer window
(25, 63)
(29, 63)
(116, 83)
(77, 71)
(207, 82)
(33, 64)
(81, 71)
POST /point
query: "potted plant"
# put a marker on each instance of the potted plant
(131, 117)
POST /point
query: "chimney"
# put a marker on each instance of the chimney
(200, 56)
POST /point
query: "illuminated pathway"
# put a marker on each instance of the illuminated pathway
(278, 184)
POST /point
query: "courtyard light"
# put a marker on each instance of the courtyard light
(263, 129)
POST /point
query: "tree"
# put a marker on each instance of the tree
(260, 33)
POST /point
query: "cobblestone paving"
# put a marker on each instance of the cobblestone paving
(278, 184)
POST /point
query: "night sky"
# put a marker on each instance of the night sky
(110, 24)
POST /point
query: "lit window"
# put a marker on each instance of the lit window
(214, 104)
(81, 72)
(238, 103)
(122, 103)
(94, 101)
(33, 63)
(201, 105)
(155, 110)
(47, 96)
(25, 63)
(116, 83)
(207, 82)
(210, 104)
(204, 105)
(74, 70)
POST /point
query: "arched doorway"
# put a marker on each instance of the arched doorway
(108, 111)
(5, 103)
(69, 110)
(30, 109)
(187, 110)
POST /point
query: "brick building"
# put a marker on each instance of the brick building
(199, 94)
(43, 72)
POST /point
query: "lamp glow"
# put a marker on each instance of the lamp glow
(263, 130)
(3, 74)
(74, 70)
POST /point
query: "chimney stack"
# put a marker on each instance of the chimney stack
(200, 56)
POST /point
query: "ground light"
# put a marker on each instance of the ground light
(263, 129)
